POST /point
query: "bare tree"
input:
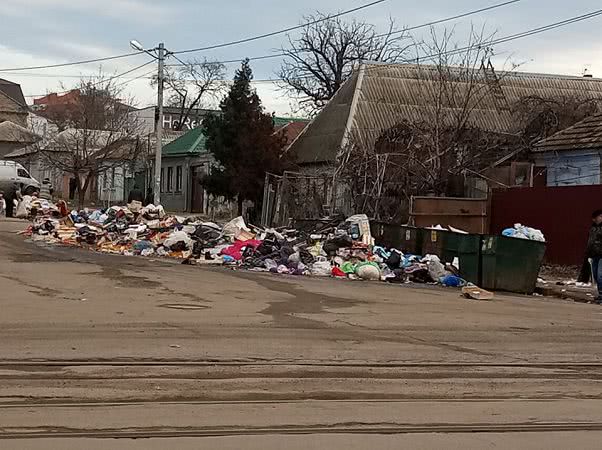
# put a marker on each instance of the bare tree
(542, 117)
(98, 134)
(192, 85)
(323, 57)
(430, 152)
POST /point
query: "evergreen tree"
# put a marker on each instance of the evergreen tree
(243, 142)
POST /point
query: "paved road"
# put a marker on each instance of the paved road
(94, 347)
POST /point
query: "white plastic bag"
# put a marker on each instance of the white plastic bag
(321, 268)
(178, 236)
(435, 268)
(234, 227)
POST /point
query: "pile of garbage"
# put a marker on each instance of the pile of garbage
(523, 232)
(338, 248)
(131, 230)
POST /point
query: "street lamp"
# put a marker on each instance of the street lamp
(159, 54)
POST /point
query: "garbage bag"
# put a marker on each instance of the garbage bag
(522, 232)
(321, 268)
(435, 268)
(234, 227)
(452, 281)
(394, 259)
(368, 271)
(348, 267)
(331, 246)
(148, 252)
(178, 237)
(140, 246)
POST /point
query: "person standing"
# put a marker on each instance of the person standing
(594, 251)
(150, 197)
(2, 205)
(136, 195)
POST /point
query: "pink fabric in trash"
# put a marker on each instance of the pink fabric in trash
(235, 250)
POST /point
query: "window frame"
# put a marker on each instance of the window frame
(169, 181)
(179, 178)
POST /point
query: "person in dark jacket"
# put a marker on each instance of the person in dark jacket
(150, 197)
(594, 250)
(136, 194)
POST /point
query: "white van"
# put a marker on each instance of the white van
(13, 177)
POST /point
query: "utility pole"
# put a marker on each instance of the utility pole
(159, 122)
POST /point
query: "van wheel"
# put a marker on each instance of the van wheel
(29, 190)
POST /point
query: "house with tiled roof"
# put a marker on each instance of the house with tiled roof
(572, 156)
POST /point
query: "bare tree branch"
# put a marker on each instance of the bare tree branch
(319, 61)
(193, 85)
(96, 133)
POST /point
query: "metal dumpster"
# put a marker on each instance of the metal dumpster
(511, 264)
(401, 237)
(448, 246)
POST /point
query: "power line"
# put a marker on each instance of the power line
(415, 27)
(74, 63)
(285, 30)
(501, 40)
(127, 55)
(447, 19)
(102, 81)
(521, 35)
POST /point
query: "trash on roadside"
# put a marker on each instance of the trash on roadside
(331, 247)
(476, 293)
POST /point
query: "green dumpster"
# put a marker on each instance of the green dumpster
(511, 264)
(448, 246)
(401, 237)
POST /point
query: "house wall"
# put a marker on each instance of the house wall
(146, 117)
(572, 168)
(180, 201)
(171, 199)
(111, 185)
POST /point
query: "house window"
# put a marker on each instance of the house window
(179, 179)
(162, 179)
(169, 179)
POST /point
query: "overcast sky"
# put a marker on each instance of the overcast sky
(38, 32)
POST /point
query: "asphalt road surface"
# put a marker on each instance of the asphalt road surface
(100, 351)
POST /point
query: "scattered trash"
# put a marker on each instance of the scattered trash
(334, 247)
(523, 232)
(476, 293)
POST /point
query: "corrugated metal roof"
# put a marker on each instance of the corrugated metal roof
(12, 132)
(392, 93)
(322, 137)
(13, 90)
(584, 135)
(192, 143)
